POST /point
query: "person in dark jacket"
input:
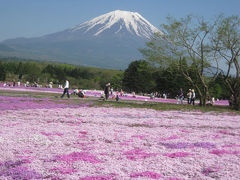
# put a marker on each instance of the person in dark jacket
(181, 95)
(106, 91)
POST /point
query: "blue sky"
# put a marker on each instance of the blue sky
(31, 18)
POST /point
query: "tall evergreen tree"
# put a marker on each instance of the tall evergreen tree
(138, 77)
(2, 72)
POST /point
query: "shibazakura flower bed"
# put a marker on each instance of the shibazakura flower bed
(52, 141)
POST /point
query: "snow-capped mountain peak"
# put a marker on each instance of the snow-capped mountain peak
(133, 22)
(111, 40)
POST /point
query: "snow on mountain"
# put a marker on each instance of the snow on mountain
(133, 22)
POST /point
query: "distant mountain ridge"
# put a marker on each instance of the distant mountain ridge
(110, 41)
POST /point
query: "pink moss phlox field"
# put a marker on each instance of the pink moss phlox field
(148, 174)
(177, 154)
(51, 139)
(101, 177)
(136, 154)
(20, 103)
(17, 170)
(78, 156)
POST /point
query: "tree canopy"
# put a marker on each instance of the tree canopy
(138, 77)
(197, 47)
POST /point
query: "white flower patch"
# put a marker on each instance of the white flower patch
(36, 139)
(40, 139)
(2, 140)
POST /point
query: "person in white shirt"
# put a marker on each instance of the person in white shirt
(193, 97)
(66, 87)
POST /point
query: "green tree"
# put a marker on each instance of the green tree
(170, 80)
(227, 45)
(50, 69)
(116, 81)
(185, 43)
(20, 70)
(2, 72)
(33, 71)
(11, 67)
(59, 74)
(138, 77)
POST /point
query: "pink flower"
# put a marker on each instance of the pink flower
(177, 154)
(147, 174)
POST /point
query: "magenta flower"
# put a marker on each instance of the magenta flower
(177, 154)
(78, 156)
(147, 174)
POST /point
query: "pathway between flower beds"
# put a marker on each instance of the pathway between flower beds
(53, 140)
(97, 93)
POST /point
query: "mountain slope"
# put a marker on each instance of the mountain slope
(110, 41)
(132, 22)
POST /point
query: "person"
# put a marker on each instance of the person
(133, 94)
(231, 100)
(164, 95)
(189, 96)
(75, 92)
(181, 95)
(212, 100)
(66, 87)
(111, 91)
(193, 97)
(177, 99)
(121, 92)
(117, 96)
(106, 91)
(81, 93)
(50, 85)
(102, 97)
(152, 96)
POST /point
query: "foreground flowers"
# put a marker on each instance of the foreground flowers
(43, 139)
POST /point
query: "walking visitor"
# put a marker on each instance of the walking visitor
(66, 87)
(181, 95)
(106, 91)
(193, 97)
(189, 96)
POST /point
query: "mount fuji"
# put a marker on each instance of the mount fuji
(108, 41)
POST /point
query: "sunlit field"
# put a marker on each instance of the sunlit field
(53, 138)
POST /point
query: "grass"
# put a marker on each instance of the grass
(166, 106)
(94, 101)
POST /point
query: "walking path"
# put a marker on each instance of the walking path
(97, 93)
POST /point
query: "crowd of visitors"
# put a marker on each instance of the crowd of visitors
(108, 91)
(191, 96)
(26, 84)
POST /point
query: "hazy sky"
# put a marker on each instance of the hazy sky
(31, 18)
